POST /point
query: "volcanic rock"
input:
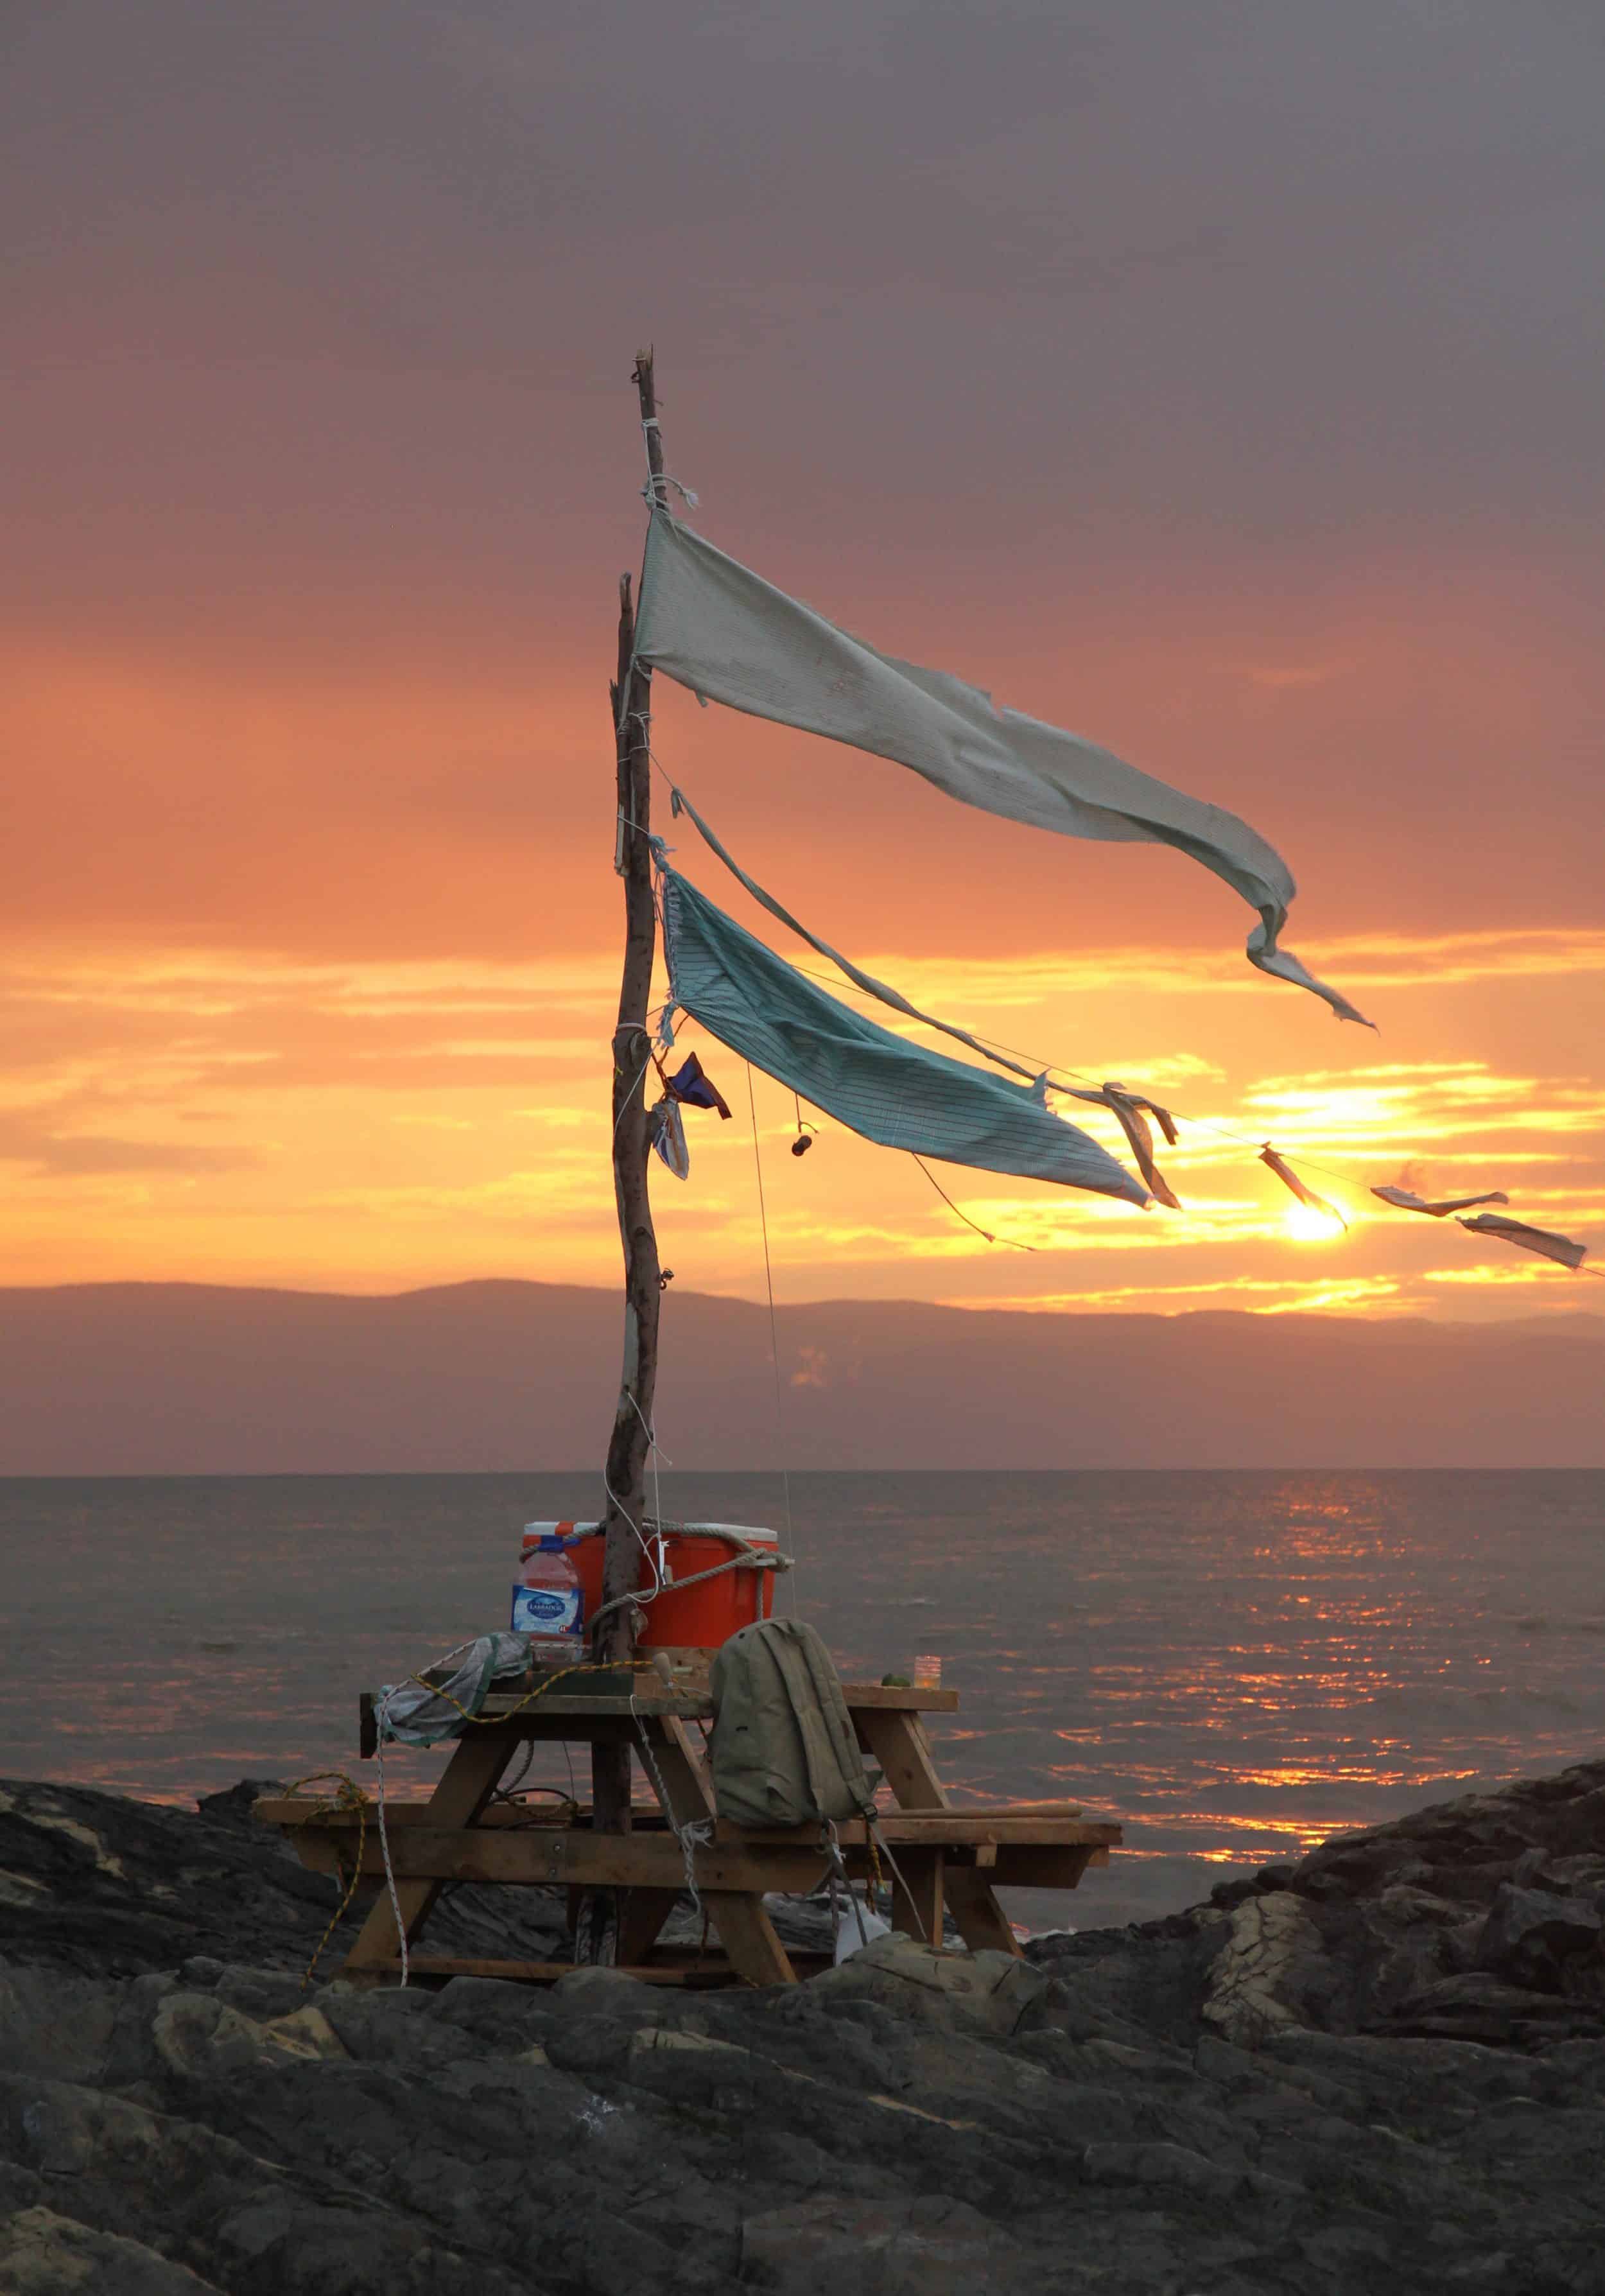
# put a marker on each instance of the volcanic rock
(1384, 2065)
(1533, 1936)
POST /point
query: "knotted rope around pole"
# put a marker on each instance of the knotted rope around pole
(349, 1797)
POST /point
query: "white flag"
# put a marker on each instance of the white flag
(731, 637)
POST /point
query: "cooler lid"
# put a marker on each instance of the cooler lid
(753, 1535)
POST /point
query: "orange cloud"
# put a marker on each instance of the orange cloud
(370, 1125)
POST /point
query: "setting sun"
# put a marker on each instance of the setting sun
(1305, 1224)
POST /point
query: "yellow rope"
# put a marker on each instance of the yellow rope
(488, 1721)
(350, 1797)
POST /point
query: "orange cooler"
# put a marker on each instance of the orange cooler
(700, 1617)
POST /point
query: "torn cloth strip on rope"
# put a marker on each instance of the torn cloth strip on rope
(891, 1091)
(1403, 1200)
(718, 628)
(1530, 1239)
(1128, 1108)
(1290, 1179)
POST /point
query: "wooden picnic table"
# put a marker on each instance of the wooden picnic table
(942, 1859)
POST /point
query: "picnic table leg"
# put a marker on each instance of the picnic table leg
(748, 1936)
(681, 1771)
(745, 1930)
(465, 1786)
(897, 1741)
(982, 1922)
(917, 1894)
(642, 1915)
(682, 1787)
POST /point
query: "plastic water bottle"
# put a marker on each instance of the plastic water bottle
(548, 1604)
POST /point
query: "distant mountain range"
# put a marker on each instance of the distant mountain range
(195, 1379)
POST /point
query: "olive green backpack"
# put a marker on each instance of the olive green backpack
(783, 1749)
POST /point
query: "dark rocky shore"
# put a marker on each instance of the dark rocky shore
(1382, 2068)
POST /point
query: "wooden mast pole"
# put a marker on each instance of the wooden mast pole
(629, 1444)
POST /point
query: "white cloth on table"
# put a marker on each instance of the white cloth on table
(415, 1715)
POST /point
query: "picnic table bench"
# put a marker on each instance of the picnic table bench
(942, 1859)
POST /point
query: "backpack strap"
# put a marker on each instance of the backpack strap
(781, 1650)
(835, 1722)
(835, 1777)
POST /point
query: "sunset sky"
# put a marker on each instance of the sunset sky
(1222, 382)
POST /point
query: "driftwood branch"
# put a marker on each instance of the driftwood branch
(629, 1444)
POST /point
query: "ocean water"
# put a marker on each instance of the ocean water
(1233, 1665)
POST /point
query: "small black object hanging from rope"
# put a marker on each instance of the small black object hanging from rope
(804, 1132)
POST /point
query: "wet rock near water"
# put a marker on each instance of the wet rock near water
(1275, 2092)
(1477, 1920)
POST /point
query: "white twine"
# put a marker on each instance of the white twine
(838, 1872)
(695, 1834)
(654, 1453)
(382, 1727)
(661, 479)
(384, 1838)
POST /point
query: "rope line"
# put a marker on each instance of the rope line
(696, 1834)
(1012, 1243)
(624, 1105)
(780, 1421)
(653, 1454)
(349, 1797)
